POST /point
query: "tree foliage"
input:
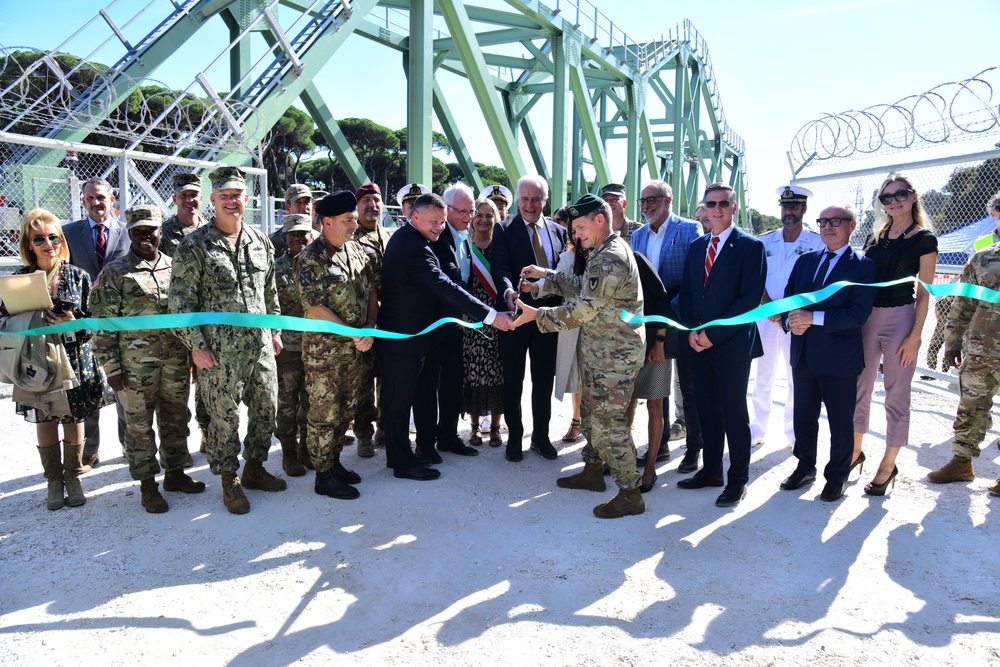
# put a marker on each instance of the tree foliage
(761, 222)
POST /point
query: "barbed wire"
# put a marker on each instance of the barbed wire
(952, 111)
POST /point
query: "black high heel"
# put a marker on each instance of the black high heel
(873, 489)
(643, 488)
(860, 461)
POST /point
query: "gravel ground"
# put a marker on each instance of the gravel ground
(492, 564)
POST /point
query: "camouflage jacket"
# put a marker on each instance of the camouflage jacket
(288, 299)
(127, 287)
(210, 275)
(338, 278)
(174, 232)
(374, 242)
(978, 322)
(595, 300)
(626, 231)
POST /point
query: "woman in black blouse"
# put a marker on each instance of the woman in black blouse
(901, 246)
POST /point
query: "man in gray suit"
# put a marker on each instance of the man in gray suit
(95, 241)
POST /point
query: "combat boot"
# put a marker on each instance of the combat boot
(590, 479)
(303, 450)
(343, 474)
(327, 484)
(178, 480)
(626, 503)
(994, 489)
(72, 469)
(52, 464)
(151, 498)
(255, 477)
(290, 458)
(959, 469)
(366, 448)
(232, 494)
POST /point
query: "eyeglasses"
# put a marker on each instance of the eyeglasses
(898, 195)
(725, 203)
(833, 222)
(39, 241)
(649, 200)
(462, 211)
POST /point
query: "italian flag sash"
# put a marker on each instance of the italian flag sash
(481, 267)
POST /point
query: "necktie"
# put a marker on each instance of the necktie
(710, 260)
(102, 244)
(536, 243)
(824, 267)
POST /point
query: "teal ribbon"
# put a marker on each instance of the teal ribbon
(787, 304)
(179, 320)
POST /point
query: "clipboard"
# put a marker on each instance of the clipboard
(25, 292)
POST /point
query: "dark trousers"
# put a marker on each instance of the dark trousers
(92, 430)
(685, 376)
(839, 394)
(402, 361)
(721, 393)
(438, 401)
(515, 348)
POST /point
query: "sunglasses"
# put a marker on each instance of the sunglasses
(899, 195)
(39, 241)
(833, 222)
(725, 203)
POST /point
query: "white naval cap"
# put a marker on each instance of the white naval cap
(792, 194)
(411, 191)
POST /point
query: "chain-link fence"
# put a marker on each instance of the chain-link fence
(42, 173)
(954, 195)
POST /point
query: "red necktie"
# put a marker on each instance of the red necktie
(710, 260)
(102, 244)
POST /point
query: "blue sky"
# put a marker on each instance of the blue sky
(779, 63)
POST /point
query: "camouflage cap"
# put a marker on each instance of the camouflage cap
(297, 191)
(228, 178)
(296, 222)
(182, 182)
(143, 216)
(613, 189)
(319, 194)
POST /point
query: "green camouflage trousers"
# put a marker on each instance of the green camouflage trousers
(331, 381)
(293, 401)
(369, 398)
(977, 383)
(158, 386)
(246, 376)
(602, 410)
(200, 409)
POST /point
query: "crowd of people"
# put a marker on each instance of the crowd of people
(549, 293)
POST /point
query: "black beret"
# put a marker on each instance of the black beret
(336, 204)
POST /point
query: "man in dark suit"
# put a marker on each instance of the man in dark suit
(412, 284)
(527, 239)
(724, 276)
(93, 242)
(826, 352)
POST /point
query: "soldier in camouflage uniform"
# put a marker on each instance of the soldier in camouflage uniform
(612, 351)
(974, 323)
(150, 370)
(188, 199)
(228, 267)
(614, 195)
(372, 237)
(293, 401)
(336, 284)
(298, 201)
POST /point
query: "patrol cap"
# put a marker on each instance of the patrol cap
(143, 216)
(182, 182)
(319, 194)
(296, 222)
(497, 192)
(297, 191)
(585, 205)
(367, 189)
(336, 204)
(613, 189)
(411, 191)
(228, 178)
(792, 194)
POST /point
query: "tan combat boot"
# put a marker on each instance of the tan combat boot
(52, 464)
(959, 469)
(178, 480)
(232, 494)
(290, 458)
(151, 498)
(590, 479)
(255, 477)
(627, 502)
(994, 489)
(72, 469)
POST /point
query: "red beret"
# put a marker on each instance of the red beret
(367, 189)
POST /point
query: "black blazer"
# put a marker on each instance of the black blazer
(444, 250)
(833, 349)
(512, 251)
(413, 283)
(734, 287)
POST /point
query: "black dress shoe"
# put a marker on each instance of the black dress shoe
(456, 446)
(646, 489)
(690, 462)
(546, 450)
(513, 457)
(427, 457)
(662, 455)
(701, 480)
(419, 473)
(731, 496)
(797, 480)
(514, 453)
(832, 491)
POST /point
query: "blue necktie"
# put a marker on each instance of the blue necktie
(824, 267)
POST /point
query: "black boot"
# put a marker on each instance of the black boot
(328, 485)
